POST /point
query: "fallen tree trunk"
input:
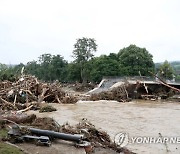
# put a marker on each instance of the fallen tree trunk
(165, 84)
(171, 87)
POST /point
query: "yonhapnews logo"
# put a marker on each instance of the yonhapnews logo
(123, 139)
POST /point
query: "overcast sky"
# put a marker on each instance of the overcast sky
(29, 28)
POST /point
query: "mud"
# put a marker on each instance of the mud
(137, 118)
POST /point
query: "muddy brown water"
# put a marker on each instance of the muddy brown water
(137, 118)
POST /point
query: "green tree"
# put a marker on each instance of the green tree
(45, 67)
(133, 59)
(9, 72)
(83, 52)
(59, 68)
(3, 67)
(17, 69)
(104, 66)
(49, 67)
(33, 68)
(73, 72)
(166, 71)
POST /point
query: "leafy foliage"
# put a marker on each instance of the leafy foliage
(73, 72)
(134, 59)
(83, 52)
(166, 71)
(104, 66)
(177, 78)
(49, 68)
(10, 72)
(85, 68)
(83, 49)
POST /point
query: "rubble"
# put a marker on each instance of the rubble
(128, 90)
(83, 86)
(46, 123)
(20, 94)
(69, 99)
(97, 138)
(120, 94)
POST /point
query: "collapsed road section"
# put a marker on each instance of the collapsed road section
(125, 89)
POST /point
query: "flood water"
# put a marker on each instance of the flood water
(137, 118)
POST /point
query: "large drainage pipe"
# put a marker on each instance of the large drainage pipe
(53, 134)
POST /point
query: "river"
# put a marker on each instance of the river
(137, 118)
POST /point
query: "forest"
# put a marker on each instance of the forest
(129, 61)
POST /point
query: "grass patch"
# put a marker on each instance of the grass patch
(8, 149)
(3, 133)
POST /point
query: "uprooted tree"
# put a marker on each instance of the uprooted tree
(83, 52)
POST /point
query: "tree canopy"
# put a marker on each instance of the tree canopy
(83, 52)
(128, 61)
(133, 59)
(166, 71)
(104, 66)
(48, 67)
(84, 49)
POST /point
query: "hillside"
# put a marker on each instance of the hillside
(174, 64)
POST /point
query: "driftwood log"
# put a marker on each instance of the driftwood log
(165, 84)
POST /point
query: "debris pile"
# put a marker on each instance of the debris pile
(20, 94)
(97, 138)
(125, 91)
(83, 86)
(45, 123)
(29, 120)
(119, 94)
